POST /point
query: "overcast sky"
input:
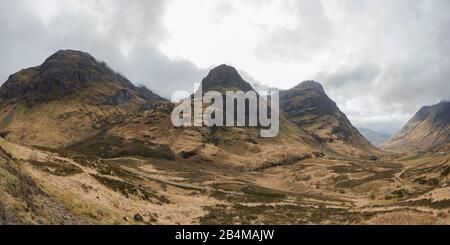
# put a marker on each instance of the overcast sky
(379, 60)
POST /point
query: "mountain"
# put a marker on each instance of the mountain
(80, 144)
(232, 146)
(69, 97)
(225, 78)
(262, 87)
(74, 102)
(429, 128)
(308, 106)
(373, 137)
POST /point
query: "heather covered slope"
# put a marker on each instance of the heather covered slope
(428, 129)
(70, 97)
(308, 106)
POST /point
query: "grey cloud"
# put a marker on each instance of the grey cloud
(18, 29)
(257, 85)
(312, 32)
(421, 76)
(352, 83)
(361, 75)
(223, 9)
(414, 84)
(105, 30)
(403, 66)
(149, 67)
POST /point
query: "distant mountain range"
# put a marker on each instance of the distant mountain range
(374, 137)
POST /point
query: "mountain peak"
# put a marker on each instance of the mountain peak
(429, 128)
(309, 107)
(225, 69)
(68, 53)
(61, 74)
(223, 78)
(310, 84)
(74, 61)
(442, 111)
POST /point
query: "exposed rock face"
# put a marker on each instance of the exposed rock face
(373, 137)
(148, 94)
(312, 97)
(308, 106)
(63, 73)
(68, 72)
(429, 128)
(121, 97)
(225, 78)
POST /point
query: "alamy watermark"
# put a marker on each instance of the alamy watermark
(240, 109)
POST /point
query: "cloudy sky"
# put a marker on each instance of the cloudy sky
(380, 60)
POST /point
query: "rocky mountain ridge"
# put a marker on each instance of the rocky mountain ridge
(309, 107)
(428, 128)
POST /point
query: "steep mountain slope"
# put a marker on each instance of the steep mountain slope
(22, 198)
(429, 128)
(308, 106)
(373, 137)
(70, 97)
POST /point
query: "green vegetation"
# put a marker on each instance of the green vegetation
(427, 181)
(398, 194)
(247, 193)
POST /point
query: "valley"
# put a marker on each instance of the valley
(138, 190)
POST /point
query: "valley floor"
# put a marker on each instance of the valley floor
(49, 187)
